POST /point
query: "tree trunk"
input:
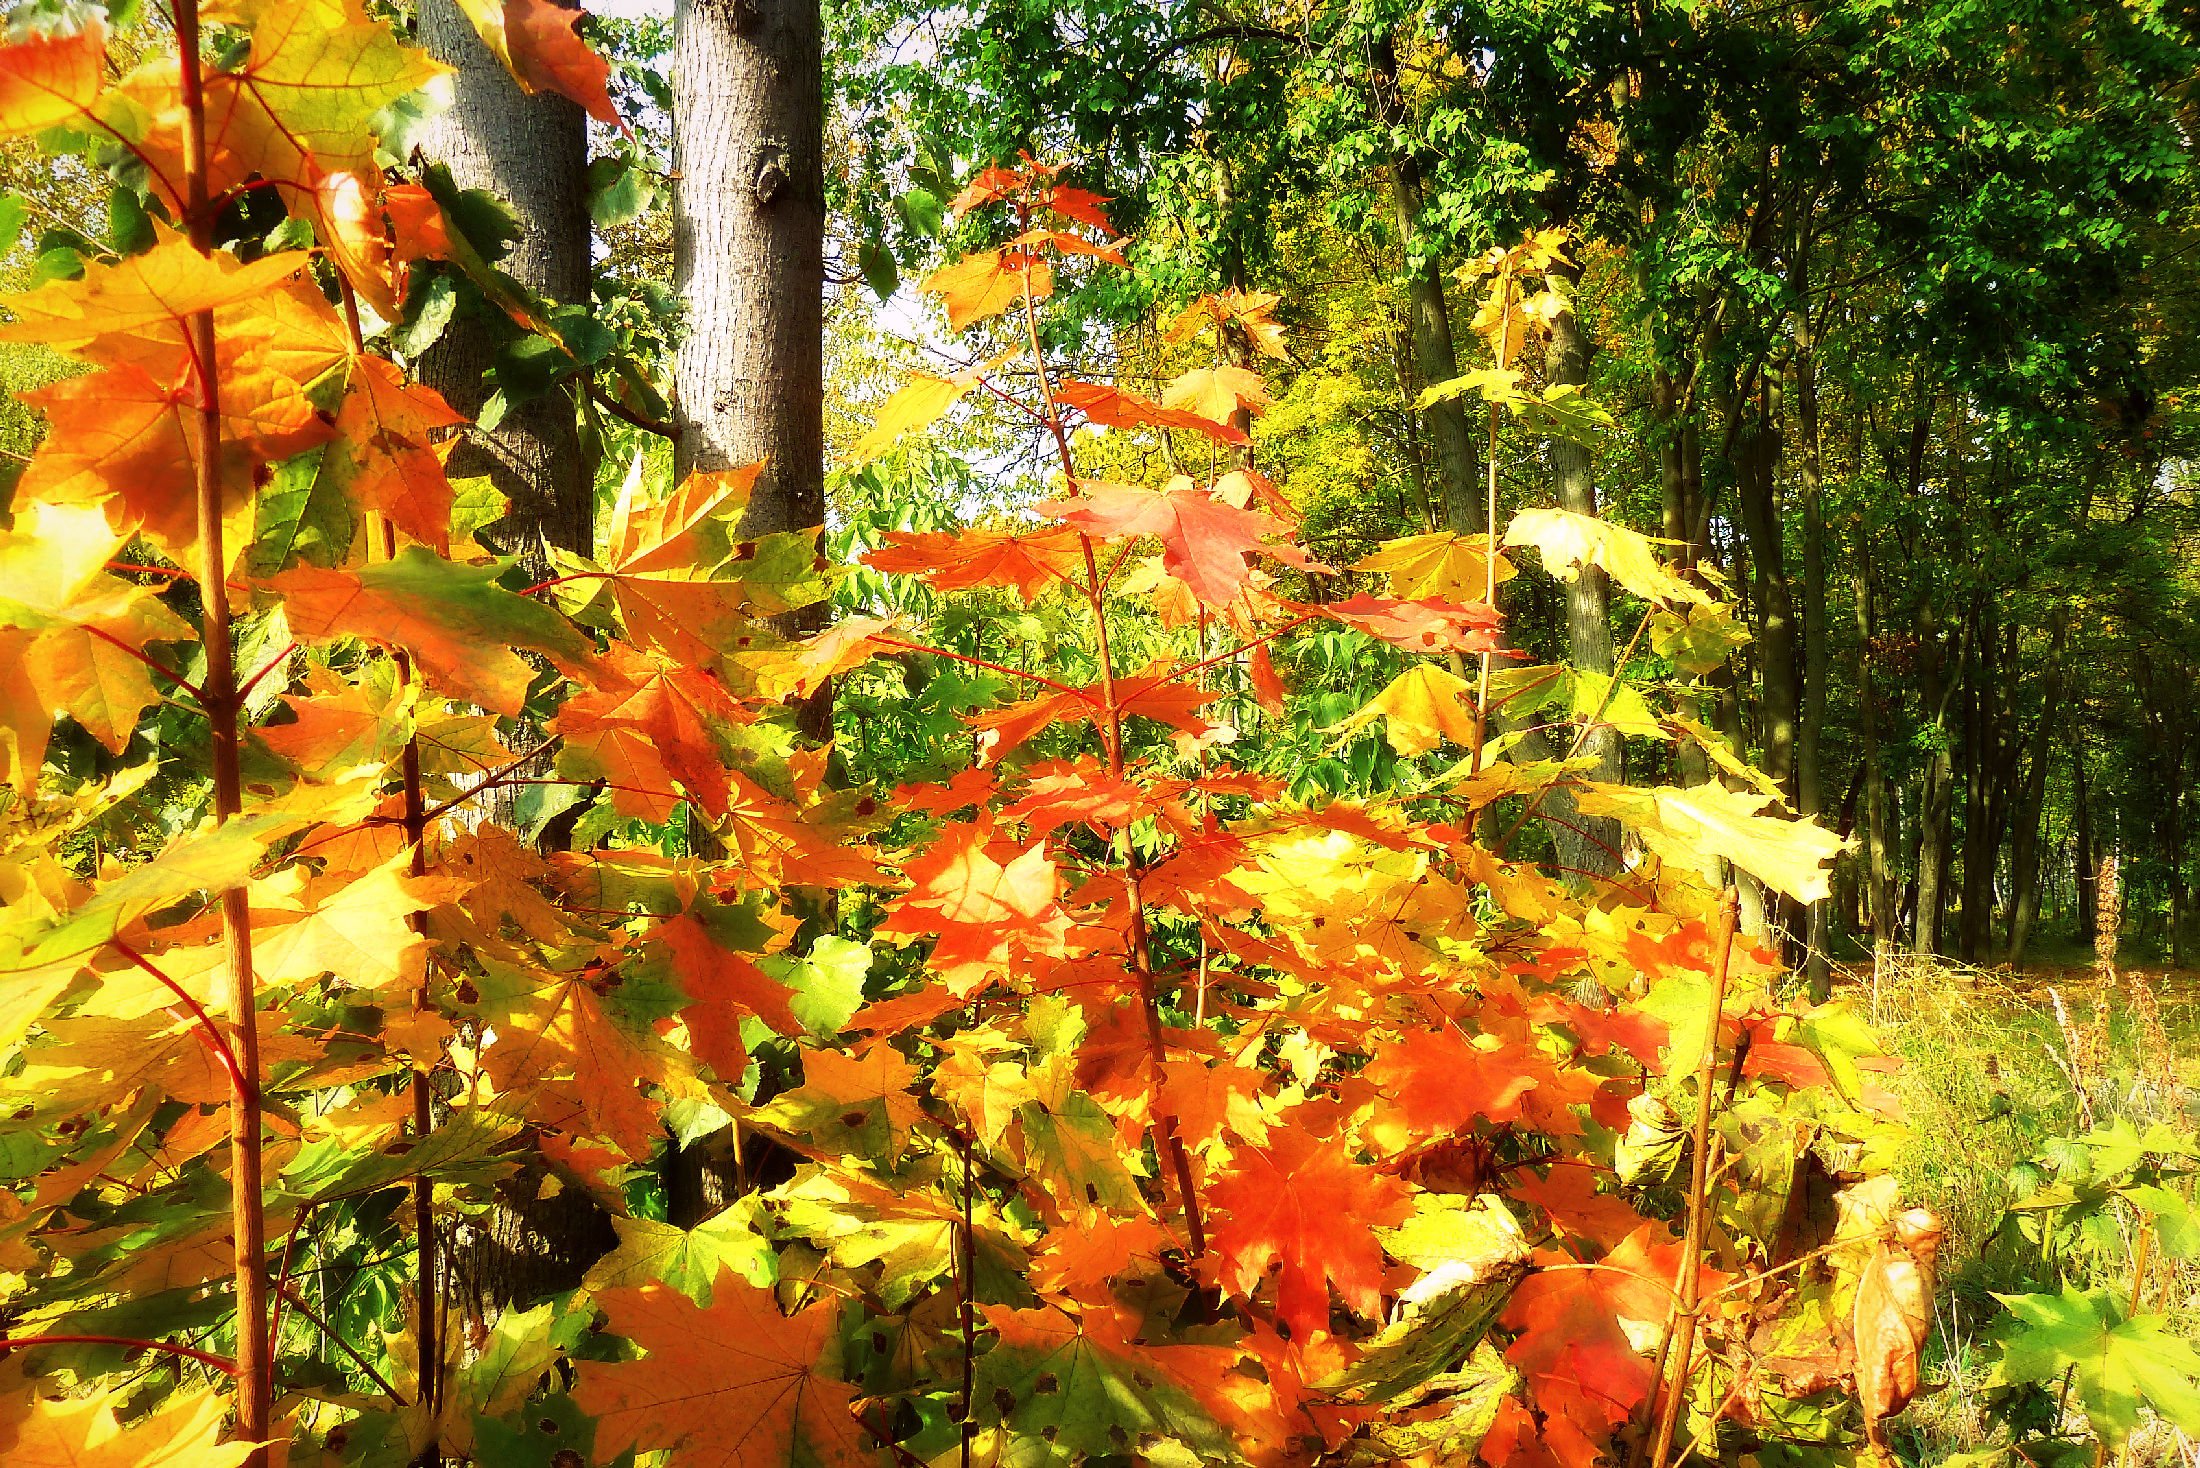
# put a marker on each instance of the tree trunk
(1809, 779)
(1980, 849)
(1756, 456)
(1436, 359)
(2025, 853)
(2084, 873)
(531, 152)
(748, 222)
(1878, 839)
(748, 232)
(1937, 797)
(1589, 597)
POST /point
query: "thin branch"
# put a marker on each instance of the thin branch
(161, 668)
(496, 777)
(627, 415)
(963, 657)
(222, 1364)
(266, 668)
(209, 1033)
(345, 1346)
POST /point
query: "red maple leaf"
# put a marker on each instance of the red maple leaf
(1304, 1204)
(1204, 540)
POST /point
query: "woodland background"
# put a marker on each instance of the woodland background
(1878, 317)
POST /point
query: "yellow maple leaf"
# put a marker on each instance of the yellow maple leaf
(1422, 707)
(1215, 393)
(917, 403)
(1569, 541)
(1453, 567)
(986, 284)
(46, 81)
(41, 1432)
(1698, 826)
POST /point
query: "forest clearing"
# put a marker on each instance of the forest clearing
(1149, 733)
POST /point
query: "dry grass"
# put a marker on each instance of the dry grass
(1999, 1065)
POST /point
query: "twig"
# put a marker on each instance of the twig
(343, 1345)
(625, 414)
(1690, 1282)
(222, 1364)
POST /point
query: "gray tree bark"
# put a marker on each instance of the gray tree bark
(1939, 656)
(1879, 843)
(748, 222)
(1589, 597)
(748, 239)
(531, 152)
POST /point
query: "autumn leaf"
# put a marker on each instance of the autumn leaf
(128, 440)
(37, 1431)
(358, 929)
(50, 80)
(536, 39)
(464, 631)
(917, 403)
(739, 1362)
(1114, 407)
(1450, 567)
(1074, 1387)
(861, 1103)
(1429, 626)
(725, 986)
(690, 1260)
(384, 458)
(1217, 393)
(146, 297)
(71, 635)
(1570, 541)
(979, 896)
(1421, 708)
(681, 584)
(1249, 312)
(652, 731)
(1303, 1204)
(1204, 541)
(1572, 1346)
(1690, 826)
(299, 112)
(1031, 561)
(1435, 1083)
(986, 283)
(568, 1058)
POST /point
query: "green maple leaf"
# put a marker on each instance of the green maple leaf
(687, 1259)
(1067, 1388)
(2118, 1363)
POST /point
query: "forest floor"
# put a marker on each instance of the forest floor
(2002, 1065)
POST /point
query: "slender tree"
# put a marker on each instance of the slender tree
(531, 152)
(749, 249)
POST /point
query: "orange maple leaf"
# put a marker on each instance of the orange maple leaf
(1204, 541)
(1304, 1204)
(548, 55)
(736, 1386)
(1029, 561)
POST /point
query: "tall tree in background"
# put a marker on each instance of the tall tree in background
(530, 151)
(749, 249)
